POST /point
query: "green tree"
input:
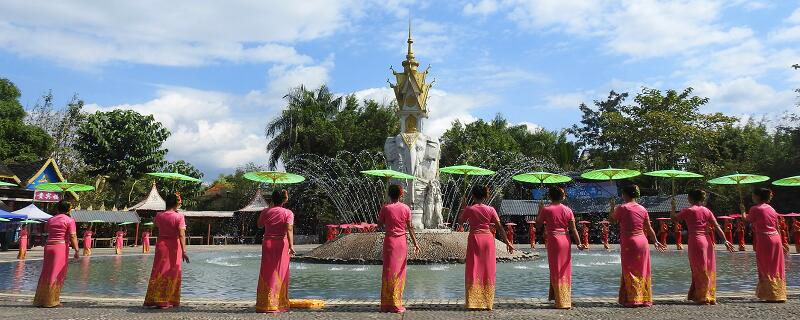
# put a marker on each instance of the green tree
(61, 125)
(121, 144)
(19, 142)
(320, 122)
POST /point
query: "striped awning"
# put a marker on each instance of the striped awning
(105, 215)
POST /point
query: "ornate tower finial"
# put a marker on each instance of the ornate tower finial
(410, 41)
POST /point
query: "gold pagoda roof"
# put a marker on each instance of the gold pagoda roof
(410, 88)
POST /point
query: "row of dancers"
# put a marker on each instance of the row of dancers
(557, 220)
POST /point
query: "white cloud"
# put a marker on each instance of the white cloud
(743, 96)
(483, 7)
(794, 17)
(174, 33)
(444, 107)
(636, 28)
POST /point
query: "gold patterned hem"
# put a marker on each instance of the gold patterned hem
(561, 293)
(771, 288)
(47, 296)
(392, 292)
(480, 296)
(269, 300)
(704, 288)
(163, 291)
(635, 290)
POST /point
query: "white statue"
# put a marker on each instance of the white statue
(412, 151)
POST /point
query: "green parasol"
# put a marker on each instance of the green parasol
(739, 179)
(64, 187)
(174, 176)
(274, 177)
(148, 224)
(26, 221)
(126, 223)
(610, 174)
(466, 170)
(6, 184)
(95, 221)
(672, 175)
(386, 173)
(788, 182)
(541, 178)
(4, 220)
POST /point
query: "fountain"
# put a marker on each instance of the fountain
(358, 198)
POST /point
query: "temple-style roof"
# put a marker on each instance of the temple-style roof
(105, 215)
(257, 204)
(207, 214)
(410, 89)
(153, 202)
(30, 171)
(7, 174)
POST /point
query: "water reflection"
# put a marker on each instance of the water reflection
(233, 275)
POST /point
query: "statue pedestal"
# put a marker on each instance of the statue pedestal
(416, 219)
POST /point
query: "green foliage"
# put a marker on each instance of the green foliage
(482, 140)
(319, 122)
(121, 144)
(61, 125)
(19, 142)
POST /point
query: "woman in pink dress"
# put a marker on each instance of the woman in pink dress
(87, 241)
(702, 258)
(23, 243)
(395, 219)
(61, 235)
(634, 228)
(119, 240)
(560, 220)
(273, 281)
(146, 241)
(769, 248)
(481, 260)
(164, 287)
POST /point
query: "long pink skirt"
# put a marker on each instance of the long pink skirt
(273, 280)
(87, 246)
(771, 270)
(164, 288)
(559, 259)
(54, 271)
(393, 280)
(146, 244)
(23, 247)
(635, 288)
(118, 244)
(703, 263)
(480, 271)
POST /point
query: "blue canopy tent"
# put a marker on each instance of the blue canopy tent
(9, 215)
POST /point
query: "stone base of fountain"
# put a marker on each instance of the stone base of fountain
(437, 247)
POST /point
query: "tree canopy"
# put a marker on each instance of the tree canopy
(19, 142)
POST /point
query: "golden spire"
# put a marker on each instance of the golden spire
(410, 62)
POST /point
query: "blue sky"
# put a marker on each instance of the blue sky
(214, 72)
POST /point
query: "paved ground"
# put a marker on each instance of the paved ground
(672, 307)
(740, 305)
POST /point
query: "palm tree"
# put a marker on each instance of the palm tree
(298, 129)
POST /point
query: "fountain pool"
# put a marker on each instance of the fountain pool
(232, 275)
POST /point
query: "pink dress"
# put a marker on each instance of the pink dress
(635, 285)
(23, 243)
(702, 258)
(120, 239)
(481, 264)
(146, 241)
(56, 255)
(394, 217)
(559, 256)
(769, 253)
(87, 243)
(164, 287)
(273, 281)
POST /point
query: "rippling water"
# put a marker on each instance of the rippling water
(233, 275)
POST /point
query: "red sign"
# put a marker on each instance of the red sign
(46, 196)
